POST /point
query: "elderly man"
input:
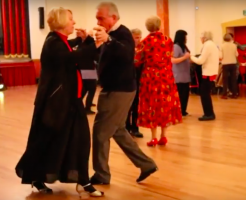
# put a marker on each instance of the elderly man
(131, 122)
(117, 78)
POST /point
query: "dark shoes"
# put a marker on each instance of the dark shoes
(41, 187)
(90, 112)
(137, 134)
(142, 177)
(185, 114)
(206, 118)
(146, 174)
(95, 181)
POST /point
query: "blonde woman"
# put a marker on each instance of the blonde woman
(58, 146)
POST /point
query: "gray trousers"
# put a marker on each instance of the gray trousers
(110, 121)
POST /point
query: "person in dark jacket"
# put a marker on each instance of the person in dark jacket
(116, 72)
(89, 76)
(58, 146)
(131, 122)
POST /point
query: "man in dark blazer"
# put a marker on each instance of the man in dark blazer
(117, 78)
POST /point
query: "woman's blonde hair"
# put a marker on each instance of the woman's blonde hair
(58, 18)
(153, 23)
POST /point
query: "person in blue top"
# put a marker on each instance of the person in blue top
(181, 68)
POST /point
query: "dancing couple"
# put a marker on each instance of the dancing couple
(59, 145)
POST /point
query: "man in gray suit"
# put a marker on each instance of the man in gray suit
(118, 80)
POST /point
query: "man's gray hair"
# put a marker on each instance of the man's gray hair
(113, 10)
(136, 31)
(207, 35)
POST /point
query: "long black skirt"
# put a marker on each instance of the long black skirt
(52, 155)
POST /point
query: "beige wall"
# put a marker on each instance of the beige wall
(36, 35)
(209, 16)
(182, 16)
(133, 15)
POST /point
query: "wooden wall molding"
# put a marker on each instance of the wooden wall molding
(163, 13)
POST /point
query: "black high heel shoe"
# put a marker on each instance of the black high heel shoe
(88, 190)
(41, 187)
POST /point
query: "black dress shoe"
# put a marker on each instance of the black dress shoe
(95, 181)
(185, 114)
(41, 187)
(207, 118)
(137, 134)
(146, 174)
(90, 112)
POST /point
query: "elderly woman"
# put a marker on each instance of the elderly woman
(209, 59)
(159, 104)
(229, 56)
(58, 146)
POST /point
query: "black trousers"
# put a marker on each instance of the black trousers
(131, 121)
(89, 86)
(205, 95)
(184, 91)
(229, 74)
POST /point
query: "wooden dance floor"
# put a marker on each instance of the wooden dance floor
(202, 161)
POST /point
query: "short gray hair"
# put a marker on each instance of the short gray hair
(207, 35)
(113, 10)
(136, 31)
(153, 23)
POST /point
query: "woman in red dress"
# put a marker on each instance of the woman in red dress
(159, 104)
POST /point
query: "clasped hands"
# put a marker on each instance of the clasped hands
(188, 56)
(101, 35)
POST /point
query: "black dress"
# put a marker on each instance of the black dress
(58, 146)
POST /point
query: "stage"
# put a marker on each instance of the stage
(202, 160)
(19, 71)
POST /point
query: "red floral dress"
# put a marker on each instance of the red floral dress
(159, 103)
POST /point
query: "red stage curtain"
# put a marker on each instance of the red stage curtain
(23, 23)
(14, 18)
(18, 74)
(240, 37)
(5, 30)
(17, 24)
